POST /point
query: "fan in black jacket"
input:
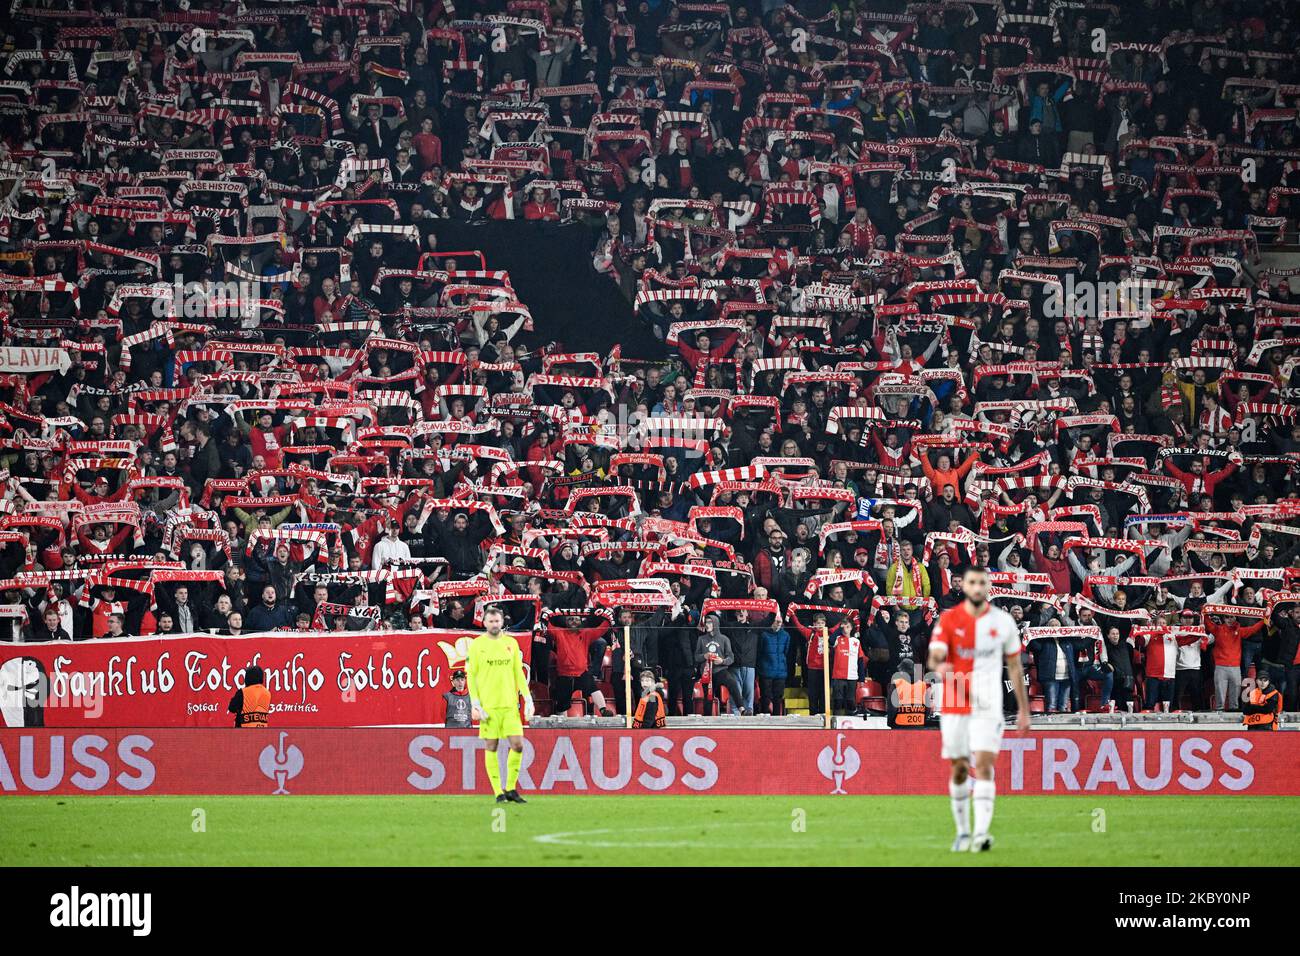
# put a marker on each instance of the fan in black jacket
(1281, 645)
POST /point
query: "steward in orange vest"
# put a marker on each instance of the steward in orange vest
(906, 707)
(1262, 709)
(651, 710)
(252, 705)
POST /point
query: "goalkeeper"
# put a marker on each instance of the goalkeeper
(495, 670)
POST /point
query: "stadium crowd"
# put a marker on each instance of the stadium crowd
(936, 283)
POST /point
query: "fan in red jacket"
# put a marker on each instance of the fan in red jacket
(1197, 480)
(704, 349)
(540, 207)
(98, 541)
(99, 493)
(1226, 636)
(572, 655)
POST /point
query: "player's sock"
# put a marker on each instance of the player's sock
(960, 793)
(983, 796)
(513, 759)
(493, 770)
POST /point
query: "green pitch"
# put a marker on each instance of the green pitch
(674, 830)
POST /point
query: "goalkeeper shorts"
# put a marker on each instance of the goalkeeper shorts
(499, 722)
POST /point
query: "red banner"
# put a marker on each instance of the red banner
(345, 679)
(396, 761)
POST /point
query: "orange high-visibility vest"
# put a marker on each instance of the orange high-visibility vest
(910, 694)
(1267, 719)
(910, 711)
(638, 719)
(257, 707)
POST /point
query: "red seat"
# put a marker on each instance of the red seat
(577, 706)
(872, 698)
(1037, 705)
(541, 699)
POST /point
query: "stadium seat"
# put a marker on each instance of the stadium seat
(577, 705)
(874, 697)
(541, 698)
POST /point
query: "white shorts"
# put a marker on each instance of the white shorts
(966, 734)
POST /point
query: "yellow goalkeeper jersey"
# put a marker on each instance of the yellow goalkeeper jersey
(494, 670)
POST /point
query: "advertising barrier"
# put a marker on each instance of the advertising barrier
(412, 761)
(356, 679)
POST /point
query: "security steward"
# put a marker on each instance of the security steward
(906, 706)
(457, 702)
(1261, 710)
(651, 710)
(252, 705)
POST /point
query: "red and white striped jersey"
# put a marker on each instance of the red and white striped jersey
(847, 659)
(977, 648)
(1161, 649)
(1161, 655)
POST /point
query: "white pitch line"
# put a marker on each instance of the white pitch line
(573, 837)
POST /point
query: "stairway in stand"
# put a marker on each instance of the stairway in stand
(796, 701)
(796, 696)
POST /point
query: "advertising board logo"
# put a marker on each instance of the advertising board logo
(838, 764)
(281, 763)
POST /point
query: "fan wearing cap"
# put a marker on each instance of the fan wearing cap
(705, 350)
(99, 491)
(1262, 707)
(99, 541)
(457, 703)
(266, 439)
(102, 607)
(390, 548)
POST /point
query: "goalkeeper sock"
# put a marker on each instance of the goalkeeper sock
(960, 793)
(493, 770)
(513, 759)
(983, 796)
